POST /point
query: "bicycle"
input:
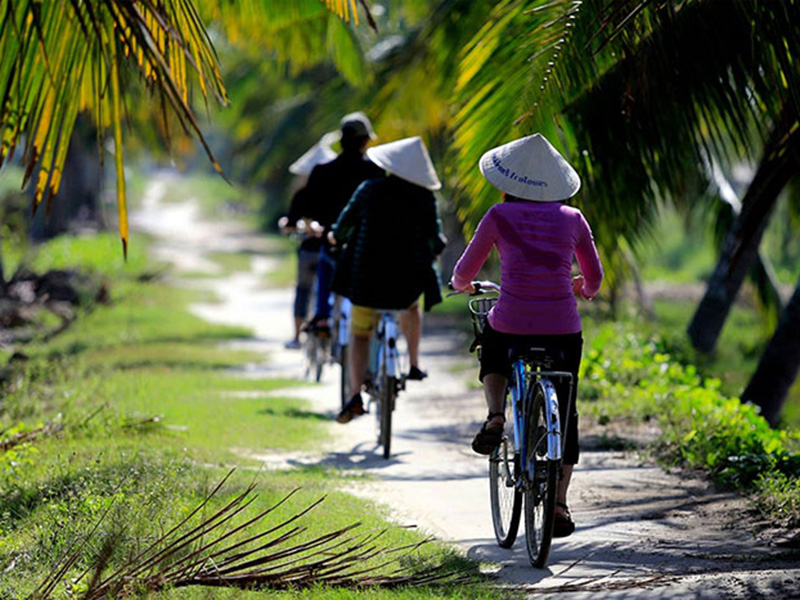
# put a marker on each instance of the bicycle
(529, 464)
(341, 343)
(316, 344)
(316, 348)
(386, 376)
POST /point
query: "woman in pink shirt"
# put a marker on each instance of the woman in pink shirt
(536, 236)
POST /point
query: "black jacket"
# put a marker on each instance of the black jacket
(392, 236)
(331, 184)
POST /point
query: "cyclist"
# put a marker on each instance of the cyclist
(311, 243)
(392, 232)
(536, 236)
(330, 186)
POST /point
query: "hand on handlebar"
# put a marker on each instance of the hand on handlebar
(283, 225)
(315, 229)
(577, 288)
(475, 288)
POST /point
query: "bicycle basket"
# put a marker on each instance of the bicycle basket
(479, 309)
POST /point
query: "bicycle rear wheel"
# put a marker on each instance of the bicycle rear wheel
(386, 400)
(345, 364)
(540, 494)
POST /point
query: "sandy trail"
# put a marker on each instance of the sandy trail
(642, 532)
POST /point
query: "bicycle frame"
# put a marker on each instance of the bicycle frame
(383, 348)
(341, 335)
(343, 332)
(525, 378)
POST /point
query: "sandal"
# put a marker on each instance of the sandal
(416, 374)
(353, 408)
(489, 437)
(564, 525)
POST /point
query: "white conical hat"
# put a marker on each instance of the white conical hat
(530, 168)
(408, 159)
(319, 153)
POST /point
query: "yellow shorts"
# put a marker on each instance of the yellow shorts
(364, 319)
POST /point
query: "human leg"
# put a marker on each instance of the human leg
(362, 322)
(322, 311)
(359, 359)
(495, 370)
(568, 358)
(411, 324)
(307, 262)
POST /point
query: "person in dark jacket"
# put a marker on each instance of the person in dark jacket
(329, 187)
(311, 243)
(391, 234)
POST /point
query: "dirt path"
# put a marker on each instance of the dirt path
(642, 533)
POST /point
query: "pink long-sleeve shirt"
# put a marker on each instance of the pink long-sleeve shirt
(536, 242)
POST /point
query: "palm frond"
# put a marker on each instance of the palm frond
(222, 550)
(60, 58)
(634, 92)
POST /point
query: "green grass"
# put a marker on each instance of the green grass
(676, 252)
(152, 415)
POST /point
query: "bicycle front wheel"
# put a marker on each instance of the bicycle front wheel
(542, 488)
(309, 355)
(505, 497)
(385, 408)
(321, 357)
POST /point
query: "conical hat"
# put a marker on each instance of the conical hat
(530, 168)
(408, 159)
(319, 153)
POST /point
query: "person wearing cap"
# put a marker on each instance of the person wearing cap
(311, 243)
(536, 236)
(391, 233)
(329, 187)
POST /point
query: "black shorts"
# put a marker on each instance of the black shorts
(565, 350)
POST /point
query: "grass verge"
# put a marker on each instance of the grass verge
(135, 413)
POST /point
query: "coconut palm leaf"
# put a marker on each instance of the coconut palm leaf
(60, 58)
(226, 548)
(620, 84)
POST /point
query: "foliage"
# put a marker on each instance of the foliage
(630, 378)
(620, 85)
(61, 58)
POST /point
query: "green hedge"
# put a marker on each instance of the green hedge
(627, 377)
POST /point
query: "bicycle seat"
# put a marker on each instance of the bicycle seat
(534, 355)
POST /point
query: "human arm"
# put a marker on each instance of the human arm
(289, 222)
(433, 229)
(475, 254)
(346, 224)
(588, 284)
(310, 198)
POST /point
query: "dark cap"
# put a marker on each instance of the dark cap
(357, 124)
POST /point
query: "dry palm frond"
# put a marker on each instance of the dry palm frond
(25, 437)
(218, 551)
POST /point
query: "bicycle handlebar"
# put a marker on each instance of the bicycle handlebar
(481, 287)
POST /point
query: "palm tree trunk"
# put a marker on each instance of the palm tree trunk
(2, 271)
(781, 160)
(779, 365)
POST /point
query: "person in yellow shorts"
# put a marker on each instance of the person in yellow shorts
(391, 233)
